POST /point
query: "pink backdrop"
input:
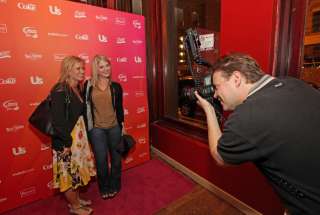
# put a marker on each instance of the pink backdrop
(35, 36)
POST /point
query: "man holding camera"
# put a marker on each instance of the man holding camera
(274, 124)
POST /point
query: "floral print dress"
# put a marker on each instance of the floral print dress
(76, 168)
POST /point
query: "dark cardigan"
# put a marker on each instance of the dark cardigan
(61, 125)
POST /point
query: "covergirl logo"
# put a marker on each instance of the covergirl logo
(30, 32)
(121, 40)
(23, 172)
(33, 56)
(55, 10)
(50, 185)
(5, 54)
(17, 151)
(47, 167)
(84, 57)
(11, 105)
(14, 128)
(56, 34)
(101, 18)
(142, 125)
(3, 199)
(44, 147)
(129, 159)
(141, 110)
(143, 154)
(136, 24)
(139, 94)
(126, 111)
(136, 41)
(59, 57)
(80, 14)
(138, 77)
(122, 78)
(34, 104)
(142, 140)
(122, 59)
(28, 192)
(81, 37)
(27, 6)
(102, 38)
(7, 81)
(120, 21)
(3, 29)
(128, 127)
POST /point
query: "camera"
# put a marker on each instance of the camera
(202, 81)
(202, 84)
(206, 90)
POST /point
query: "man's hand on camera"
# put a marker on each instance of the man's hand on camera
(206, 106)
(214, 131)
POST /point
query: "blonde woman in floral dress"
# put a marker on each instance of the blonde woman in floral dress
(73, 162)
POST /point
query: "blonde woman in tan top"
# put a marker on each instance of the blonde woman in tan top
(104, 117)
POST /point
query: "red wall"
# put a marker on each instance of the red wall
(246, 26)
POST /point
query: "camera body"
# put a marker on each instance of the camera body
(202, 81)
(206, 90)
(202, 84)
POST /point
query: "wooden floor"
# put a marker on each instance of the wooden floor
(199, 202)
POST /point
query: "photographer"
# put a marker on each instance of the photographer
(274, 124)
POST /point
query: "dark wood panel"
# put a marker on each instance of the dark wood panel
(152, 12)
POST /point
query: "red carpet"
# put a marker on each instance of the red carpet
(145, 189)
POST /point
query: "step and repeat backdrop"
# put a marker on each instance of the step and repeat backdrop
(35, 35)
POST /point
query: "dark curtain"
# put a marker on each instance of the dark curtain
(124, 5)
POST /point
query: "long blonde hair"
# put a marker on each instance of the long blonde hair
(96, 60)
(66, 67)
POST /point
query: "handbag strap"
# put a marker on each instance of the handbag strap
(67, 98)
(67, 102)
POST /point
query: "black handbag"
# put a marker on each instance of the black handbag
(41, 118)
(126, 144)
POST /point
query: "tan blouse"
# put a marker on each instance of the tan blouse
(104, 113)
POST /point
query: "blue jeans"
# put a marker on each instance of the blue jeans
(104, 143)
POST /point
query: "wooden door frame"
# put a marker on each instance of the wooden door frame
(289, 50)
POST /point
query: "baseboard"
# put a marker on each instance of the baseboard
(207, 184)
